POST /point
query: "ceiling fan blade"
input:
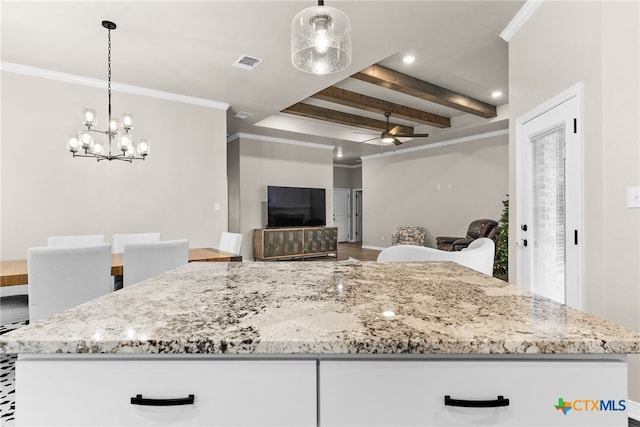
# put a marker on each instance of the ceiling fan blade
(396, 141)
(367, 140)
(394, 131)
(414, 135)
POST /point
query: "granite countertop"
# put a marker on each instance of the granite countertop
(322, 308)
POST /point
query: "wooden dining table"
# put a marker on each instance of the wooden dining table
(15, 272)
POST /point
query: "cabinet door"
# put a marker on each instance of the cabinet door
(226, 393)
(279, 243)
(412, 393)
(320, 240)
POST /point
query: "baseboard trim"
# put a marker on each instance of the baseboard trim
(633, 410)
(375, 248)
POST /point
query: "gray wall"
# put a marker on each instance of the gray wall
(597, 43)
(442, 188)
(45, 192)
(347, 176)
(262, 162)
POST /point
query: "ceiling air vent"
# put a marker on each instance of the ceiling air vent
(247, 62)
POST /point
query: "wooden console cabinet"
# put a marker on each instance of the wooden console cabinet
(298, 242)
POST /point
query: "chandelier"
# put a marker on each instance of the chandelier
(118, 132)
(321, 40)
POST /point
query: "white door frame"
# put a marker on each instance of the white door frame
(574, 299)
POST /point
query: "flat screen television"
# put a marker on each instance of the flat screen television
(295, 207)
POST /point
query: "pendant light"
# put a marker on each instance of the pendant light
(321, 40)
(117, 131)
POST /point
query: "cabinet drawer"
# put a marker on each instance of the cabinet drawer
(412, 393)
(226, 393)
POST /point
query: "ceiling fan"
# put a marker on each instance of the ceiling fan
(392, 135)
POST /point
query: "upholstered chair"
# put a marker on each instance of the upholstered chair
(63, 277)
(230, 242)
(478, 228)
(411, 235)
(144, 260)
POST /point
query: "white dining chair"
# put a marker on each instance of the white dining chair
(119, 240)
(144, 260)
(479, 255)
(63, 277)
(82, 240)
(230, 242)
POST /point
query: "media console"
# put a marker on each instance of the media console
(294, 242)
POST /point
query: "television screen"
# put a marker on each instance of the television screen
(295, 206)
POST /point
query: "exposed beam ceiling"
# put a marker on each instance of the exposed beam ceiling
(397, 81)
(320, 113)
(356, 100)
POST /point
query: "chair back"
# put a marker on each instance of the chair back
(144, 260)
(482, 228)
(230, 242)
(63, 277)
(409, 235)
(69, 241)
(119, 240)
(479, 255)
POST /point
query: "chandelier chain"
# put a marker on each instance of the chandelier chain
(109, 72)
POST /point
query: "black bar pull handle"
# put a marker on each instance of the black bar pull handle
(139, 400)
(500, 401)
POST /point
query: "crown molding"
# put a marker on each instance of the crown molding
(279, 140)
(439, 144)
(519, 20)
(102, 84)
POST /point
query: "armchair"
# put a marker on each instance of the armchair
(478, 228)
(411, 235)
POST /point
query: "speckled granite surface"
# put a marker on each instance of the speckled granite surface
(322, 308)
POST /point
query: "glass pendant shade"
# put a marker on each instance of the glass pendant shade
(73, 143)
(127, 121)
(321, 40)
(86, 139)
(89, 117)
(144, 146)
(125, 142)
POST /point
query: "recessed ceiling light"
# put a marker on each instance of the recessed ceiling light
(243, 114)
(496, 94)
(408, 59)
(339, 154)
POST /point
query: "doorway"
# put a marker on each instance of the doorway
(549, 202)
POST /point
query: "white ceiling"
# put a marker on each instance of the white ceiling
(188, 48)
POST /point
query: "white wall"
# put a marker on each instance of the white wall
(44, 191)
(442, 188)
(262, 162)
(597, 43)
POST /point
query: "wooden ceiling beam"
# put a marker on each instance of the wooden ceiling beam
(340, 96)
(403, 83)
(325, 114)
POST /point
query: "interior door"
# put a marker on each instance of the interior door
(549, 203)
(341, 213)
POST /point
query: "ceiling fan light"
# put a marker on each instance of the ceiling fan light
(387, 138)
(321, 40)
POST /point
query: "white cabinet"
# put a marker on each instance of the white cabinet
(83, 391)
(226, 392)
(412, 393)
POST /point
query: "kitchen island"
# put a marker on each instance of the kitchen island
(322, 343)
